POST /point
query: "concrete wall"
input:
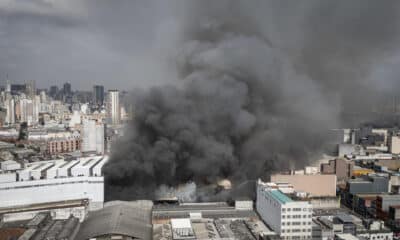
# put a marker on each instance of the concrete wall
(52, 190)
(58, 213)
(316, 185)
(395, 144)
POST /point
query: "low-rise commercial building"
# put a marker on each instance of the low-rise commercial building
(342, 168)
(52, 181)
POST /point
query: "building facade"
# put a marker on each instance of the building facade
(288, 218)
(65, 145)
(93, 136)
(98, 95)
(342, 168)
(54, 181)
(306, 183)
(113, 107)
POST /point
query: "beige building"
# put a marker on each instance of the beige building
(394, 144)
(315, 185)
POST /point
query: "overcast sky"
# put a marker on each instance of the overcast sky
(125, 43)
(82, 42)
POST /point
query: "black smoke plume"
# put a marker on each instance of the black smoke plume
(259, 85)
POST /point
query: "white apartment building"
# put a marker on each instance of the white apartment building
(10, 108)
(92, 136)
(289, 218)
(54, 181)
(29, 110)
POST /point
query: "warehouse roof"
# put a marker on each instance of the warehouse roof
(132, 219)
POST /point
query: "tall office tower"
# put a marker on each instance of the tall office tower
(30, 88)
(113, 107)
(27, 111)
(92, 136)
(67, 89)
(10, 107)
(53, 91)
(98, 95)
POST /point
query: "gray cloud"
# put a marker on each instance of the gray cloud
(259, 86)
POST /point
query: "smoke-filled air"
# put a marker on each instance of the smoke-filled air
(255, 87)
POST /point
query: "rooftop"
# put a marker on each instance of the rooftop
(131, 219)
(181, 223)
(282, 198)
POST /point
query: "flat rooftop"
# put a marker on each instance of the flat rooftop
(281, 197)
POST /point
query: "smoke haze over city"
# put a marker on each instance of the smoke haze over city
(220, 90)
(254, 88)
(199, 119)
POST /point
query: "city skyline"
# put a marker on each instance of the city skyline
(199, 119)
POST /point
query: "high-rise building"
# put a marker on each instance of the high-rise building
(18, 88)
(67, 89)
(36, 108)
(113, 107)
(88, 136)
(98, 95)
(100, 140)
(43, 97)
(8, 87)
(53, 91)
(30, 88)
(10, 108)
(27, 111)
(92, 136)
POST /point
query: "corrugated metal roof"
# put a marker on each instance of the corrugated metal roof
(131, 219)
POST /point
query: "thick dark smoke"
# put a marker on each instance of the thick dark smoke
(259, 86)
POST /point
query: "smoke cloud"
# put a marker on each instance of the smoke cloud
(258, 87)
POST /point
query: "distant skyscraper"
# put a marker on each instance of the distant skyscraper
(53, 91)
(10, 107)
(113, 107)
(8, 87)
(67, 88)
(18, 88)
(29, 110)
(30, 89)
(98, 95)
(43, 97)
